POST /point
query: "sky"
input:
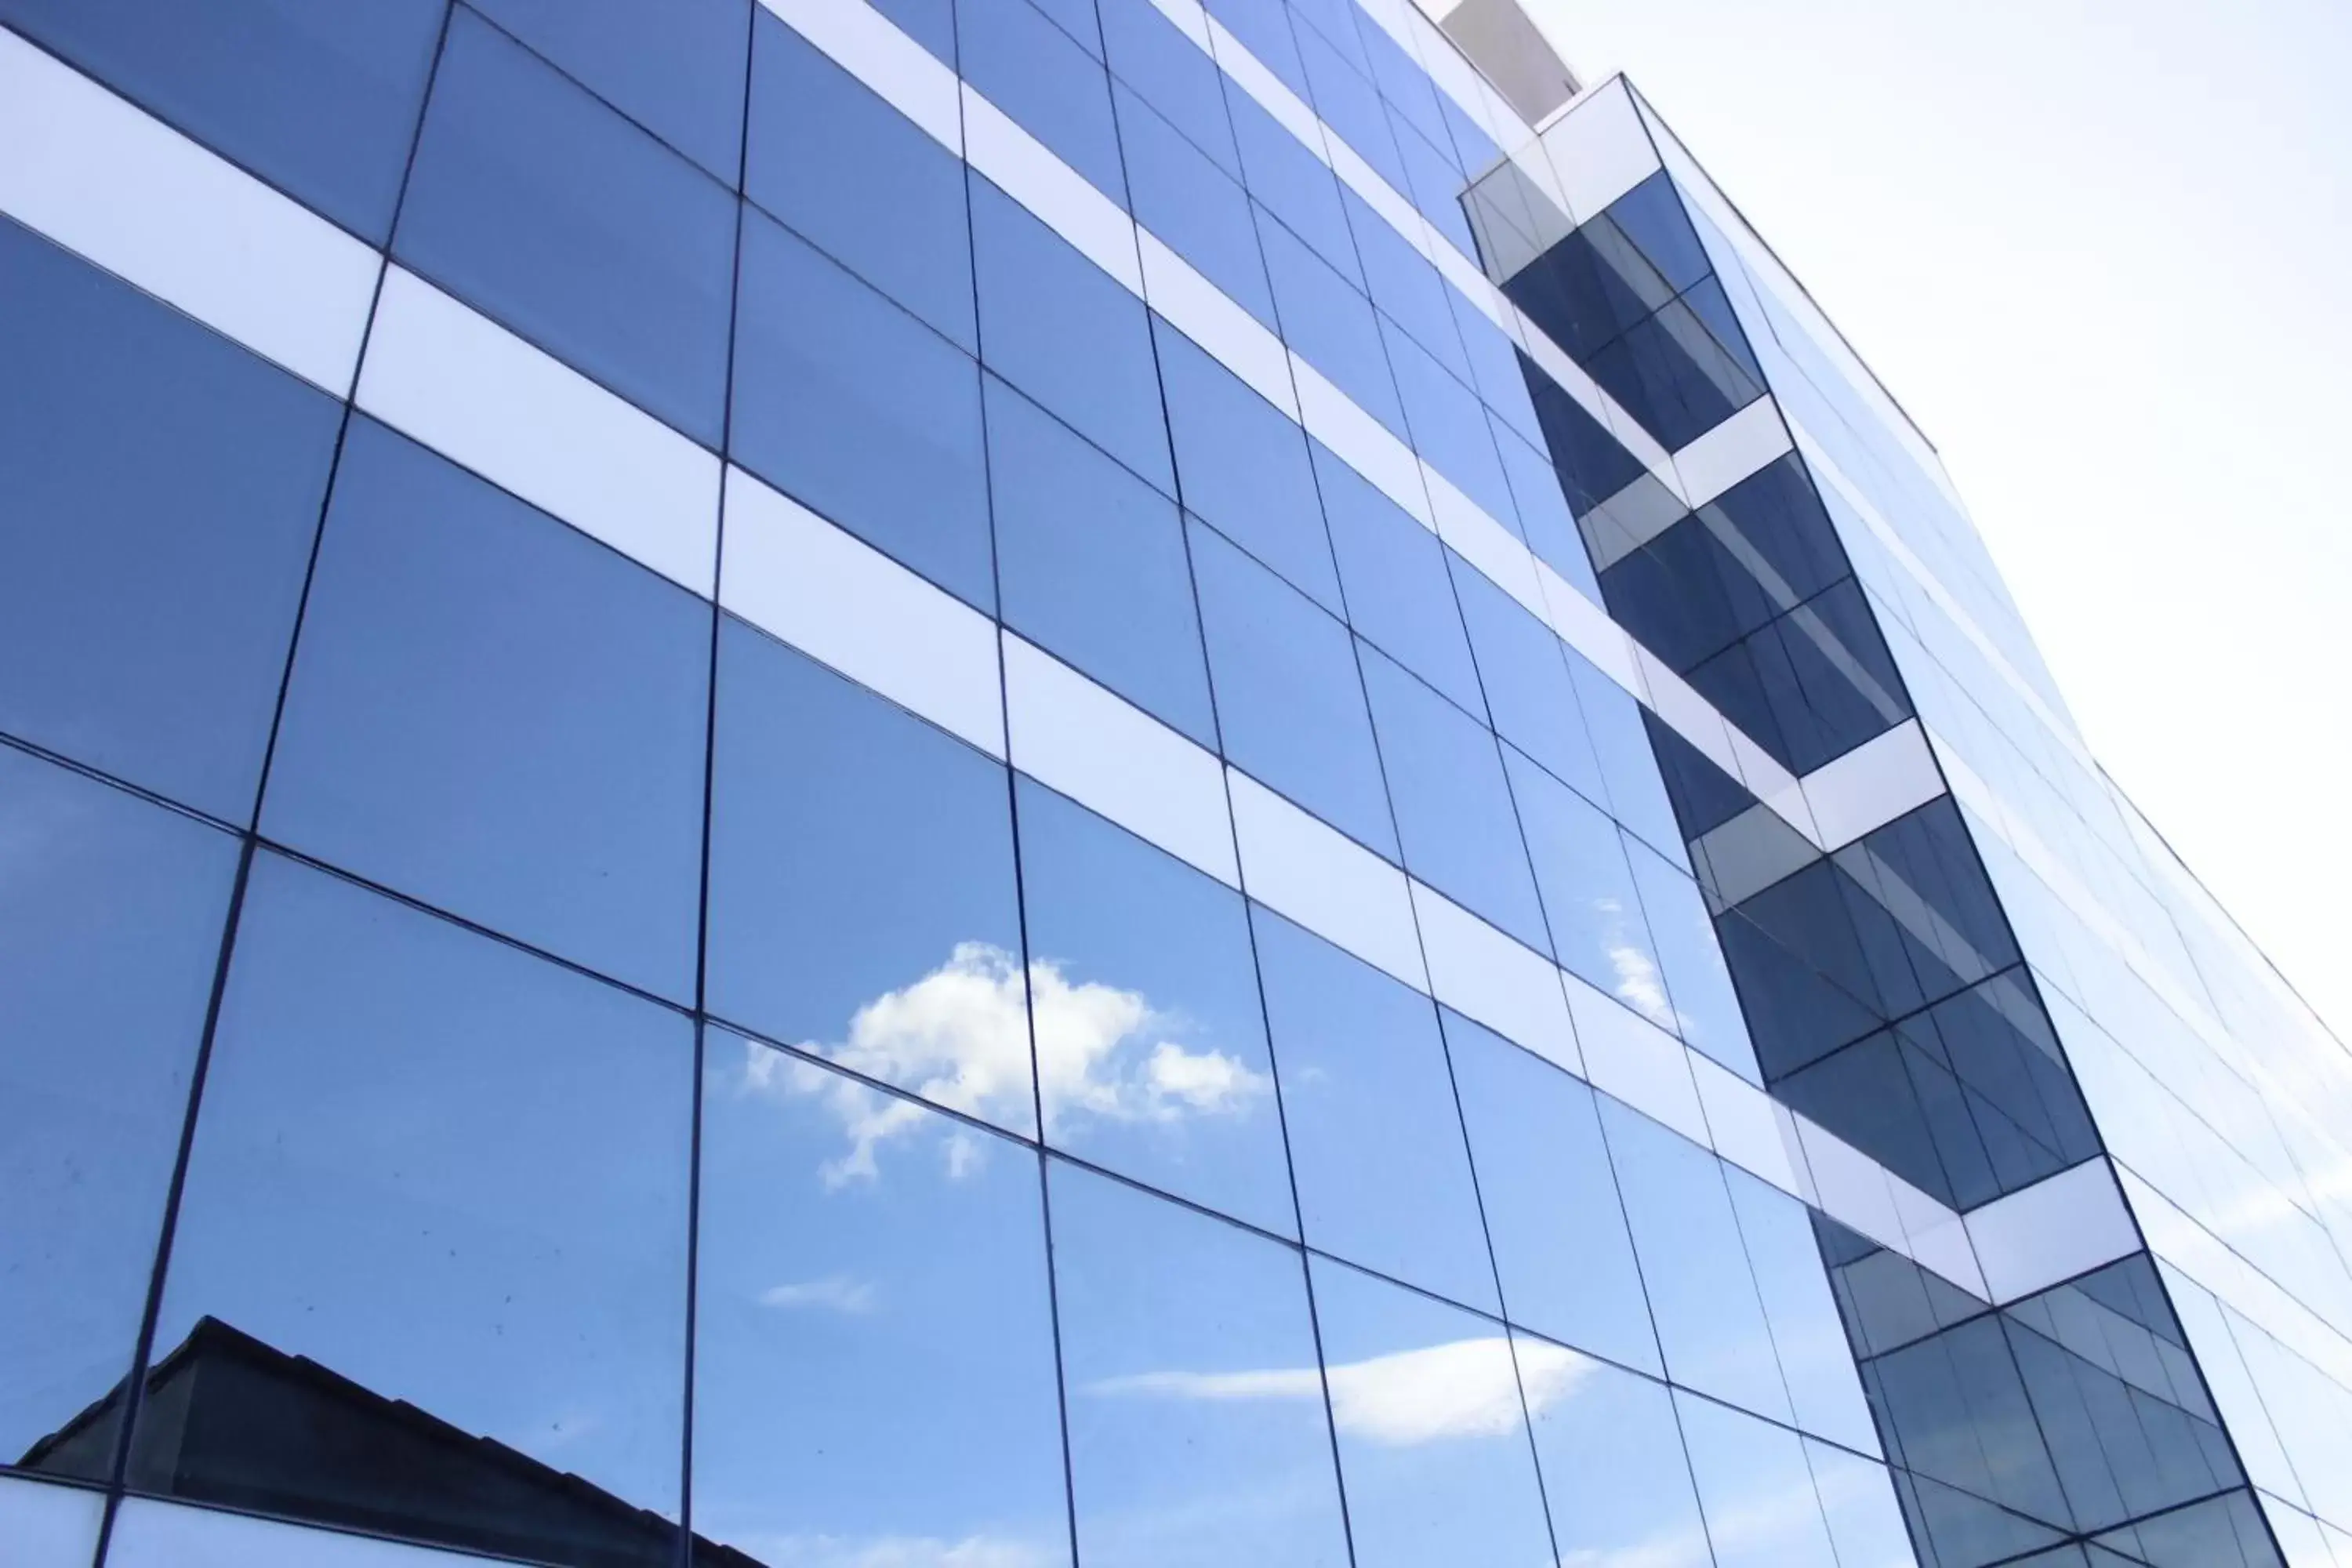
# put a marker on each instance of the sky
(2098, 248)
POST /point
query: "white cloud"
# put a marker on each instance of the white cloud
(1465, 1388)
(960, 1037)
(833, 1293)
(898, 1551)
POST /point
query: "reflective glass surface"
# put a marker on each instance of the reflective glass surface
(1753, 1484)
(1613, 1460)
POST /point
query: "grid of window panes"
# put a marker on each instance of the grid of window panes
(2215, 1088)
(503, 1054)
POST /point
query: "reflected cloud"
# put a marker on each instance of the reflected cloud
(899, 1551)
(960, 1038)
(1465, 1388)
(833, 1293)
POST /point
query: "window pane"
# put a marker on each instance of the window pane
(859, 180)
(674, 67)
(1169, 72)
(431, 1171)
(1816, 1361)
(1705, 1008)
(499, 716)
(1289, 703)
(861, 412)
(1858, 1500)
(1027, 64)
(1613, 1462)
(1434, 1451)
(114, 910)
(1092, 563)
(862, 901)
(1702, 1295)
(874, 1353)
(1244, 467)
(1327, 322)
(546, 210)
(1454, 811)
(1197, 1424)
(1524, 670)
(1589, 898)
(1183, 198)
(1398, 596)
(318, 100)
(1383, 1177)
(1637, 795)
(165, 487)
(1151, 1037)
(1762, 1508)
(1065, 332)
(1550, 1198)
(1295, 188)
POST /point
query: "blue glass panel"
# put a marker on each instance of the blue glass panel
(1401, 79)
(1598, 929)
(1076, 17)
(443, 1173)
(1290, 704)
(862, 894)
(859, 180)
(499, 716)
(1858, 1500)
(1816, 1361)
(861, 412)
(1702, 1295)
(1184, 199)
(1344, 101)
(1550, 1198)
(1762, 1508)
(1150, 1038)
(320, 101)
(1637, 795)
(1705, 1009)
(1404, 285)
(1429, 1480)
(1453, 809)
(1091, 560)
(1170, 73)
(1335, 21)
(1197, 1425)
(1023, 62)
(674, 67)
(1448, 426)
(1495, 371)
(552, 213)
(1393, 571)
(163, 487)
(1330, 325)
(1375, 1141)
(873, 1354)
(1244, 467)
(1263, 28)
(1292, 183)
(930, 22)
(1435, 186)
(1065, 332)
(1524, 669)
(1544, 517)
(1611, 1457)
(114, 910)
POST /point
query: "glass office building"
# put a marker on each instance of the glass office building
(985, 784)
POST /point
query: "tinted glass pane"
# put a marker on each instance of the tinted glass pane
(1330, 325)
(1858, 1500)
(1448, 426)
(1393, 570)
(674, 67)
(164, 488)
(1614, 1470)
(862, 902)
(930, 22)
(1065, 332)
(320, 100)
(1550, 1198)
(1243, 466)
(1182, 196)
(1150, 1038)
(1761, 1509)
(1588, 891)
(1433, 1452)
(1705, 1008)
(1197, 1431)
(499, 716)
(437, 1195)
(1637, 796)
(546, 210)
(1343, 97)
(1702, 1295)
(1289, 701)
(873, 1354)
(1293, 187)
(860, 411)
(1524, 670)
(1815, 1359)
(1168, 71)
(1453, 809)
(858, 179)
(1375, 1139)
(114, 910)
(1027, 64)
(1092, 563)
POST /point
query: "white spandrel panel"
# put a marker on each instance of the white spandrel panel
(865, 44)
(46, 1526)
(1308, 871)
(149, 1533)
(1492, 980)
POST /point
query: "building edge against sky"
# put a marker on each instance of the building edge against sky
(1555, 979)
